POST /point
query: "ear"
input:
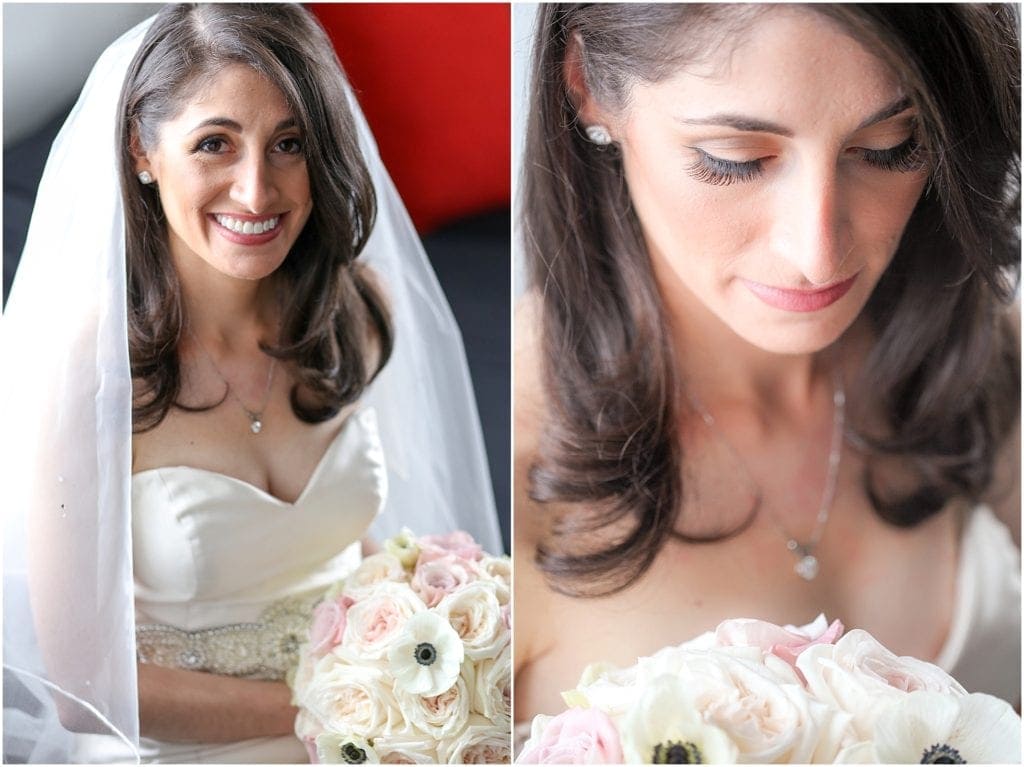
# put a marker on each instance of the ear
(588, 110)
(140, 158)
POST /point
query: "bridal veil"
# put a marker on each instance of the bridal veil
(65, 405)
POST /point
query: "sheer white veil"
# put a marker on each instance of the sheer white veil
(65, 409)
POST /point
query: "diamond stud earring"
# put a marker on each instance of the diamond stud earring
(599, 135)
(145, 177)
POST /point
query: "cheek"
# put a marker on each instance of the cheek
(880, 216)
(694, 227)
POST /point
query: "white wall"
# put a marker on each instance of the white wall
(48, 50)
(523, 15)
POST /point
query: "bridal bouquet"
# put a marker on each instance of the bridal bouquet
(409, 658)
(751, 691)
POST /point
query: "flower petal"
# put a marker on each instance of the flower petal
(987, 730)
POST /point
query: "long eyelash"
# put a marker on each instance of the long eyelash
(905, 158)
(714, 170)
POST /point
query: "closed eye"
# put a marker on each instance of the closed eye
(714, 170)
(902, 158)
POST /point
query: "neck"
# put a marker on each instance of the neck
(227, 313)
(721, 369)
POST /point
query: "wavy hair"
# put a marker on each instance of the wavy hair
(944, 370)
(331, 298)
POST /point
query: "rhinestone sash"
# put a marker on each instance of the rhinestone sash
(262, 649)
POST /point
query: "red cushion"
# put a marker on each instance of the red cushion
(433, 80)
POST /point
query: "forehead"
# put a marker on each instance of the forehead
(787, 64)
(235, 90)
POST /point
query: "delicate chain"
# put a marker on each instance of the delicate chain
(807, 564)
(255, 416)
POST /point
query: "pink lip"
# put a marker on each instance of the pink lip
(248, 239)
(800, 300)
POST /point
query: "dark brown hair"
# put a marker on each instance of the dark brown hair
(944, 371)
(331, 302)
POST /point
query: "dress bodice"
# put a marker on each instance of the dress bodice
(982, 650)
(226, 574)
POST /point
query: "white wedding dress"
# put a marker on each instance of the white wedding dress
(226, 575)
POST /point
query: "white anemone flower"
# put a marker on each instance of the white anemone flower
(663, 727)
(332, 748)
(931, 728)
(426, 657)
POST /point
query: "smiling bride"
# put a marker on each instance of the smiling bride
(239, 357)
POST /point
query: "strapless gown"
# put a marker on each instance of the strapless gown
(226, 574)
(983, 648)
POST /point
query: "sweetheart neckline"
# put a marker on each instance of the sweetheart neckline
(310, 482)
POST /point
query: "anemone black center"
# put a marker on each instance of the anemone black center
(425, 653)
(352, 754)
(942, 754)
(676, 752)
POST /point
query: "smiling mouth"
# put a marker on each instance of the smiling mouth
(248, 225)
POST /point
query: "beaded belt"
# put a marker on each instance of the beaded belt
(266, 648)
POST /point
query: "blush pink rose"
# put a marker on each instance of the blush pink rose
(576, 736)
(459, 544)
(436, 578)
(785, 643)
(328, 626)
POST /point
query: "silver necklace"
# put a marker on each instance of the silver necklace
(806, 562)
(255, 416)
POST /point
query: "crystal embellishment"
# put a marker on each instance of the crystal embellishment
(256, 425)
(807, 567)
(263, 649)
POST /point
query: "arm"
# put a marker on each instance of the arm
(182, 706)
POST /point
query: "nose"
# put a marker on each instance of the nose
(253, 185)
(811, 231)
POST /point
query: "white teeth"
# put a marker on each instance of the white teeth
(247, 227)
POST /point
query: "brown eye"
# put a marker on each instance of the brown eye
(212, 145)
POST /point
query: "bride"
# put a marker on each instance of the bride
(236, 326)
(769, 364)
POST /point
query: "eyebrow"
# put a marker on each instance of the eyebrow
(755, 125)
(227, 122)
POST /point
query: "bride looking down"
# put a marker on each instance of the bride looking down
(768, 363)
(253, 358)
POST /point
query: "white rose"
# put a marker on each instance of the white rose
(374, 622)
(406, 748)
(443, 715)
(347, 697)
(757, 701)
(376, 568)
(860, 676)
(473, 611)
(499, 571)
(493, 696)
(607, 687)
(479, 743)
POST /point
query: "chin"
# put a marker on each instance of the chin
(250, 267)
(807, 337)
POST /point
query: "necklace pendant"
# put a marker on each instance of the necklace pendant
(807, 567)
(256, 426)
